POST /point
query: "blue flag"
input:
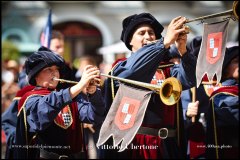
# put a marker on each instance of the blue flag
(47, 32)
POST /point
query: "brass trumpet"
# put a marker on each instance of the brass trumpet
(169, 91)
(233, 12)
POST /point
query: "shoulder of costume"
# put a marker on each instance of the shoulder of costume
(24, 90)
(117, 61)
(228, 90)
(40, 92)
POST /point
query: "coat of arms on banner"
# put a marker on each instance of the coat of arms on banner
(125, 116)
(214, 50)
(126, 113)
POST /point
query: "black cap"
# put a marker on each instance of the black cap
(194, 45)
(230, 54)
(39, 60)
(130, 24)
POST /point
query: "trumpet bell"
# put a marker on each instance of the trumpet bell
(235, 9)
(170, 91)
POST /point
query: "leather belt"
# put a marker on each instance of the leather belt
(163, 133)
(50, 155)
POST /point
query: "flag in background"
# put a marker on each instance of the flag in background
(47, 32)
(212, 51)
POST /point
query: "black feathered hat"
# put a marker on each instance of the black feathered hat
(130, 24)
(41, 59)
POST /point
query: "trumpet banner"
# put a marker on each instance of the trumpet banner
(212, 51)
(124, 117)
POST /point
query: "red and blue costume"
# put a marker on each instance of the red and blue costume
(51, 119)
(223, 122)
(143, 66)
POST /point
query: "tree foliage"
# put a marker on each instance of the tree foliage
(10, 51)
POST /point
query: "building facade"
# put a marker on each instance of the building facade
(88, 25)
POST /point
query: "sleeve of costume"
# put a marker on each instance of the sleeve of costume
(185, 100)
(226, 110)
(42, 110)
(9, 122)
(93, 110)
(185, 71)
(142, 64)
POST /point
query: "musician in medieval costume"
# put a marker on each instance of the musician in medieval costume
(9, 117)
(149, 62)
(49, 117)
(223, 118)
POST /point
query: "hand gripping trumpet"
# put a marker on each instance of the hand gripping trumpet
(169, 91)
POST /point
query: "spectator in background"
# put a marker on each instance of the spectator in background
(57, 45)
(9, 89)
(9, 83)
(57, 42)
(13, 66)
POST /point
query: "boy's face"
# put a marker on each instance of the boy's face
(57, 45)
(143, 34)
(45, 77)
(232, 69)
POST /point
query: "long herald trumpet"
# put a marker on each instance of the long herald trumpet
(169, 91)
(233, 12)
